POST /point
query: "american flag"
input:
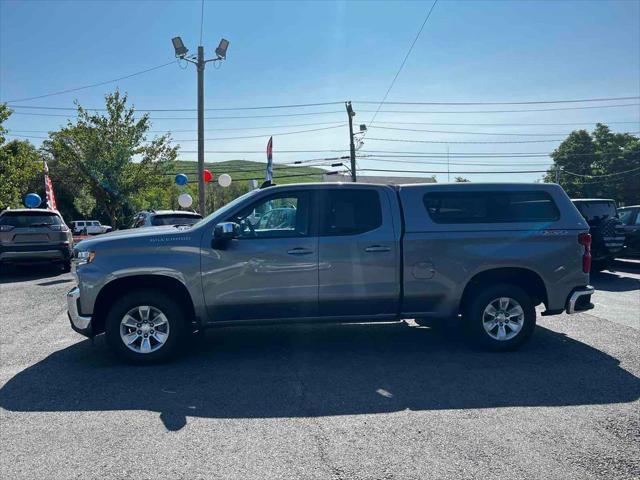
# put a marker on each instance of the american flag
(48, 190)
(269, 175)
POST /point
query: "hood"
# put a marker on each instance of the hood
(130, 235)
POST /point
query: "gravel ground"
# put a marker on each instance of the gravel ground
(376, 401)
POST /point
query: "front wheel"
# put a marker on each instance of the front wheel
(501, 317)
(145, 327)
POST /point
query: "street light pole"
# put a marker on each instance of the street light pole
(201, 185)
(200, 62)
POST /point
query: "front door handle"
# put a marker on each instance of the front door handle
(299, 251)
(377, 248)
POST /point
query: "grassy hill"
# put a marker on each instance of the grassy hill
(243, 170)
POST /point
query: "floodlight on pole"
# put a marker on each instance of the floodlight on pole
(200, 62)
(221, 51)
(179, 47)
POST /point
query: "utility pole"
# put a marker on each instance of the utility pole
(558, 174)
(200, 62)
(201, 185)
(352, 147)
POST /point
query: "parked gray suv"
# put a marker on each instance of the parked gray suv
(482, 254)
(34, 235)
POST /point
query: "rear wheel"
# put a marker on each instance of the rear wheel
(66, 266)
(500, 317)
(145, 327)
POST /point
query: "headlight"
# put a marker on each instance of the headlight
(84, 257)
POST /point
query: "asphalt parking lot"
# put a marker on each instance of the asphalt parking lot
(376, 401)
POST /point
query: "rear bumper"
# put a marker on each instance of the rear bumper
(580, 300)
(23, 253)
(80, 323)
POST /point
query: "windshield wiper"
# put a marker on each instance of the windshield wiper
(40, 224)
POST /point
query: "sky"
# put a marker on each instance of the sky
(284, 53)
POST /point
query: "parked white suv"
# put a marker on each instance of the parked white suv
(89, 227)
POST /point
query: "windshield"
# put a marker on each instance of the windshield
(30, 219)
(597, 210)
(227, 207)
(175, 219)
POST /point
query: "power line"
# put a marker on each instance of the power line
(505, 124)
(406, 140)
(503, 111)
(226, 138)
(261, 127)
(412, 112)
(375, 159)
(195, 118)
(259, 136)
(604, 175)
(476, 133)
(201, 21)
(441, 172)
(303, 105)
(525, 102)
(261, 107)
(69, 90)
(404, 60)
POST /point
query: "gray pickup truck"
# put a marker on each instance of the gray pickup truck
(482, 254)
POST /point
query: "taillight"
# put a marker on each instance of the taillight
(584, 239)
(6, 228)
(59, 228)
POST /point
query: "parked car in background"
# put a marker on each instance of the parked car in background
(34, 235)
(156, 218)
(89, 227)
(342, 253)
(606, 230)
(630, 218)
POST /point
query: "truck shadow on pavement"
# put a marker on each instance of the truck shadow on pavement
(320, 370)
(28, 272)
(611, 281)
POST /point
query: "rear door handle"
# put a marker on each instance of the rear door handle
(377, 248)
(299, 251)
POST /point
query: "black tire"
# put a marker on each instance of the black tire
(66, 266)
(171, 310)
(475, 312)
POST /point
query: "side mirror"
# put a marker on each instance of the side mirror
(226, 231)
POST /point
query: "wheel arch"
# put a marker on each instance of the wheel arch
(525, 278)
(163, 283)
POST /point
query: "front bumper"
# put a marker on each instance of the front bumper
(580, 300)
(80, 323)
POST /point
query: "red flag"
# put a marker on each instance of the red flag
(48, 190)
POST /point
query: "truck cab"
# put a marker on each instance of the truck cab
(485, 254)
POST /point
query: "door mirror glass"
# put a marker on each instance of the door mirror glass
(226, 231)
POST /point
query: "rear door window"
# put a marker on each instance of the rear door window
(490, 207)
(350, 211)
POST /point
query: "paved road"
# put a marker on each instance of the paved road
(382, 401)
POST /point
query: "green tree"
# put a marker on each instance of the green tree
(20, 167)
(590, 165)
(84, 203)
(109, 156)
(461, 180)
